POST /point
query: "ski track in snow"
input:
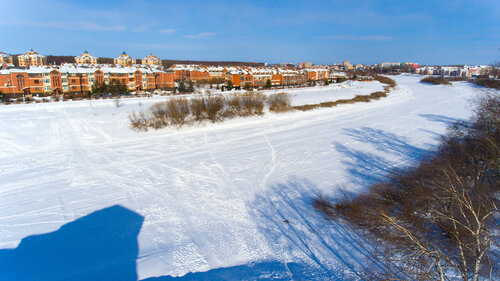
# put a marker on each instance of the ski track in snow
(218, 195)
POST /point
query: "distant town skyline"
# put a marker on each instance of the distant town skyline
(321, 32)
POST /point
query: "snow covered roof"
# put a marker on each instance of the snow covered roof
(214, 68)
(85, 55)
(262, 71)
(315, 70)
(151, 57)
(83, 69)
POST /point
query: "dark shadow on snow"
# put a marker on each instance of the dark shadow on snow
(286, 216)
(254, 271)
(99, 246)
(103, 246)
(387, 142)
(323, 250)
(367, 168)
(441, 118)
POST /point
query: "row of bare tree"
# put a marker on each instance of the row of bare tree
(440, 219)
(215, 108)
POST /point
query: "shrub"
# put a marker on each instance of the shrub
(279, 102)
(488, 83)
(340, 79)
(361, 98)
(177, 111)
(138, 122)
(358, 98)
(378, 95)
(457, 78)
(252, 104)
(385, 80)
(214, 106)
(198, 108)
(234, 105)
(435, 80)
(159, 115)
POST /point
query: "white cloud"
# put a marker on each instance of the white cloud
(167, 31)
(358, 38)
(97, 27)
(140, 28)
(200, 35)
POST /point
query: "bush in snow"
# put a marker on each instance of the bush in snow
(159, 115)
(214, 106)
(435, 80)
(198, 108)
(488, 83)
(139, 121)
(177, 111)
(252, 104)
(279, 102)
(234, 105)
(385, 80)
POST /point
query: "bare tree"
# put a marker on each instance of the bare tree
(437, 220)
(117, 102)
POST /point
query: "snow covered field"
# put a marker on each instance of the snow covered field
(332, 92)
(79, 189)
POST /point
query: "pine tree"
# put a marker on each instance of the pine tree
(182, 87)
(190, 88)
(268, 84)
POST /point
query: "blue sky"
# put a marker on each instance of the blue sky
(370, 31)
